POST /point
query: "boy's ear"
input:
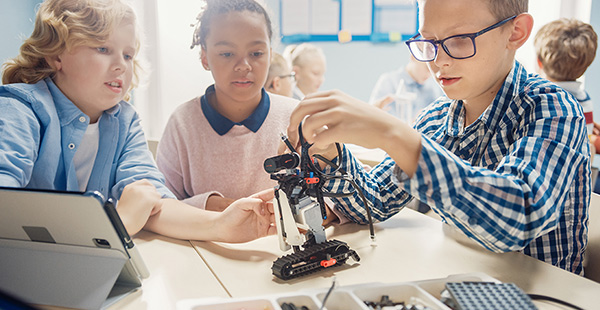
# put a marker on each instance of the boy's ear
(54, 62)
(521, 30)
(204, 60)
(276, 83)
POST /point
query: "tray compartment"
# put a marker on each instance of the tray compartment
(403, 292)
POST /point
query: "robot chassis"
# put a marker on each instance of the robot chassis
(300, 207)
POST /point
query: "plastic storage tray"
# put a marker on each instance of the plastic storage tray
(426, 293)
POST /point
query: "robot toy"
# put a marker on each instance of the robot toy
(300, 210)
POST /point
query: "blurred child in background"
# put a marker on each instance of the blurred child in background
(309, 65)
(565, 48)
(405, 91)
(280, 79)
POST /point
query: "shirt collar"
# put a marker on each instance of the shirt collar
(496, 110)
(66, 109)
(222, 125)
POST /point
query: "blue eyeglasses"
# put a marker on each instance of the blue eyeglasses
(460, 46)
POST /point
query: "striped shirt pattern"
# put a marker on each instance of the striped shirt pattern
(517, 179)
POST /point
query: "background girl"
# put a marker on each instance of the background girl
(308, 63)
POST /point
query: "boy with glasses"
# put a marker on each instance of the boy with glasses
(280, 79)
(504, 158)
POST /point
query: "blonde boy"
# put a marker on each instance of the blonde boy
(280, 79)
(504, 158)
(309, 65)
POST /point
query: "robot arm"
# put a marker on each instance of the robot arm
(305, 215)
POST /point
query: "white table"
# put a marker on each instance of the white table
(410, 247)
(177, 272)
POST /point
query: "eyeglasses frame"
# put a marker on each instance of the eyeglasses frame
(472, 36)
(292, 75)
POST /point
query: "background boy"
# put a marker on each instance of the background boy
(504, 158)
(565, 48)
(280, 79)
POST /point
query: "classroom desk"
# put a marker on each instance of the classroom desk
(176, 272)
(410, 247)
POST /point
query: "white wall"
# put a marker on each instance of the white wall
(16, 22)
(176, 74)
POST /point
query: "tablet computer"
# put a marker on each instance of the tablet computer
(67, 249)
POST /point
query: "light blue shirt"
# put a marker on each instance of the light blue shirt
(388, 83)
(41, 129)
(517, 179)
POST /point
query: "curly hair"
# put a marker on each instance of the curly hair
(61, 25)
(565, 48)
(214, 8)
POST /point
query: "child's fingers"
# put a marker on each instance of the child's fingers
(384, 102)
(265, 195)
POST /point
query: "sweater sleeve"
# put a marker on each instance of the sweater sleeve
(169, 162)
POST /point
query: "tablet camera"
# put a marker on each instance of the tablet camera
(101, 243)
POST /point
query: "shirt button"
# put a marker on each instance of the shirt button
(71, 146)
(473, 221)
(82, 119)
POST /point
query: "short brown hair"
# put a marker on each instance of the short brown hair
(566, 48)
(502, 9)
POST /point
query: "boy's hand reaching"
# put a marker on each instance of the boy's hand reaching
(333, 116)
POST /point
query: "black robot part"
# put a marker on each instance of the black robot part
(299, 176)
(281, 162)
(312, 259)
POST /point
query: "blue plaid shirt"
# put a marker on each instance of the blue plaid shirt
(517, 179)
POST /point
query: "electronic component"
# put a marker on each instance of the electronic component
(487, 295)
(300, 210)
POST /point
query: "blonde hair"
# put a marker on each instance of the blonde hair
(502, 9)
(301, 55)
(566, 48)
(279, 66)
(61, 25)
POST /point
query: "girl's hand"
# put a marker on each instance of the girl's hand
(596, 130)
(218, 203)
(247, 218)
(138, 202)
